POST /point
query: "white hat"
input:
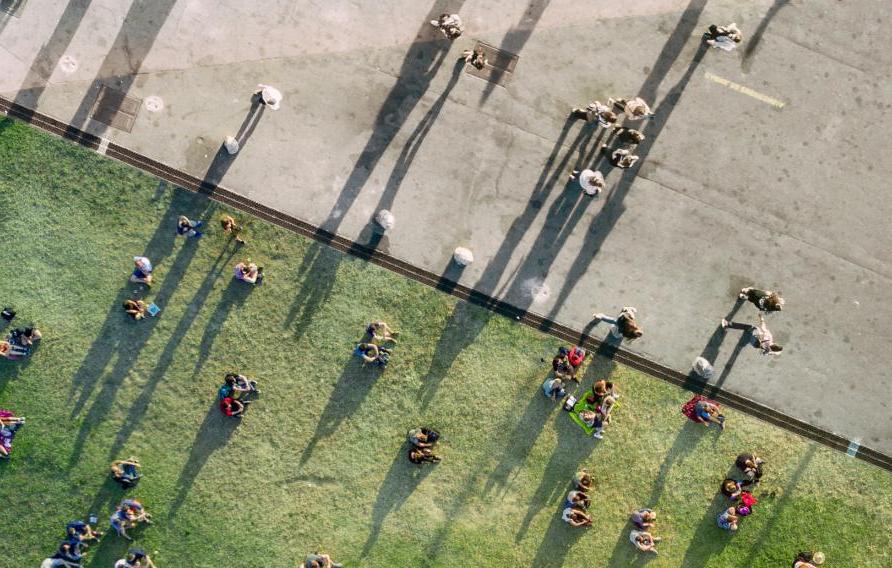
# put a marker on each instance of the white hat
(591, 182)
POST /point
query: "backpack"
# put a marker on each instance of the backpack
(224, 392)
(7, 314)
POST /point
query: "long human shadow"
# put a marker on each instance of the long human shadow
(753, 43)
(223, 160)
(48, 57)
(123, 339)
(234, 295)
(213, 434)
(420, 65)
(573, 447)
(401, 480)
(351, 389)
(604, 222)
(318, 271)
(141, 404)
(515, 39)
(415, 141)
(125, 57)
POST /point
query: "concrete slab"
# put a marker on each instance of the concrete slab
(762, 166)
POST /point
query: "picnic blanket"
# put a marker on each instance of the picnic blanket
(581, 405)
(688, 408)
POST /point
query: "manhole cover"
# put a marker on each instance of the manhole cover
(499, 65)
(115, 108)
(68, 64)
(13, 7)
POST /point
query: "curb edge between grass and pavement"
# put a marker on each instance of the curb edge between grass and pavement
(225, 196)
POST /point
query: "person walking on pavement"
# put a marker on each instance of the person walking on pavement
(596, 111)
(624, 325)
(591, 182)
(764, 300)
(723, 37)
(634, 109)
(760, 336)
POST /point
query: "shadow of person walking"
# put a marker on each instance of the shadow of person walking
(223, 160)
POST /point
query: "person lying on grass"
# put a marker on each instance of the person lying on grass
(135, 309)
(79, 531)
(128, 514)
(9, 425)
(421, 456)
(379, 331)
(126, 472)
(577, 498)
(232, 407)
(644, 541)
(576, 517)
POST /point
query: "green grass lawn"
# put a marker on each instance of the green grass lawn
(319, 461)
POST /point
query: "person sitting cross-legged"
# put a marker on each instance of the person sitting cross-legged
(126, 472)
(421, 456)
(577, 498)
(137, 309)
(423, 437)
(371, 353)
(576, 517)
(249, 272)
(232, 407)
(644, 541)
(136, 558)
(320, 560)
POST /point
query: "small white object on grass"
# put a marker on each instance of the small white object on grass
(463, 256)
(385, 219)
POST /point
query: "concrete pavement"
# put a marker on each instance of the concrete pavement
(762, 166)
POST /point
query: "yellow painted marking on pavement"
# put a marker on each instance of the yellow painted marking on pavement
(745, 90)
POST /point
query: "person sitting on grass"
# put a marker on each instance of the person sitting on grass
(421, 456)
(142, 272)
(423, 437)
(577, 498)
(126, 472)
(379, 331)
(643, 519)
(709, 413)
(371, 353)
(25, 337)
(9, 425)
(750, 466)
(583, 481)
(599, 417)
(576, 517)
(240, 386)
(808, 560)
(232, 407)
(320, 560)
(69, 552)
(227, 222)
(79, 531)
(128, 514)
(727, 520)
(249, 272)
(554, 388)
(732, 489)
(137, 309)
(562, 367)
(187, 227)
(136, 558)
(644, 541)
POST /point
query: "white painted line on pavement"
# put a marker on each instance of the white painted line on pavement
(745, 90)
(103, 146)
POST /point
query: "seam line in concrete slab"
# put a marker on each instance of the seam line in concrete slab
(767, 228)
(536, 321)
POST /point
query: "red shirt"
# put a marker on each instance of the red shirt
(227, 406)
